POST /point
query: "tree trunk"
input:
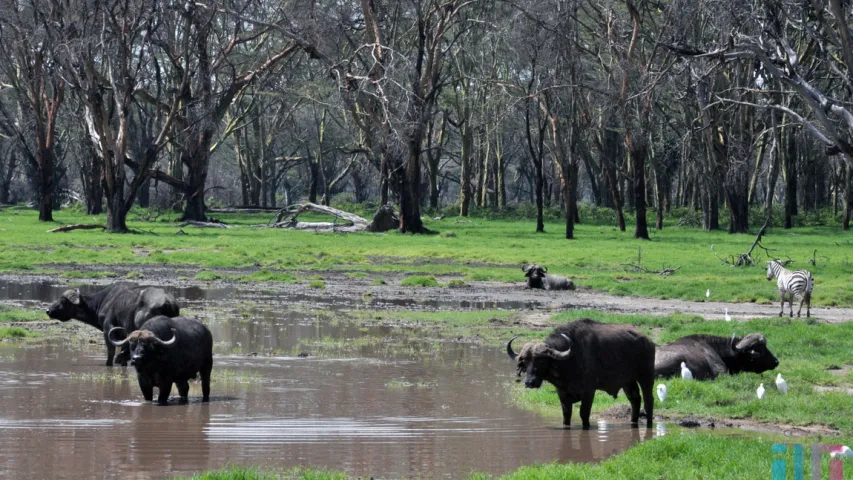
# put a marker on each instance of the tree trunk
(45, 184)
(790, 170)
(6, 177)
(637, 152)
(466, 156)
(116, 213)
(144, 194)
(195, 182)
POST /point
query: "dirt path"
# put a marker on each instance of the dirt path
(475, 295)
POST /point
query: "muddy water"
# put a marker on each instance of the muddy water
(64, 415)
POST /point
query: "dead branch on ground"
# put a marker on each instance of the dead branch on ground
(68, 228)
(639, 268)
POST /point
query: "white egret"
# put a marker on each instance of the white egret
(686, 374)
(661, 392)
(708, 293)
(844, 452)
(760, 391)
(728, 317)
(781, 384)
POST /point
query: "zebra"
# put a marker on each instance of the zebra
(798, 284)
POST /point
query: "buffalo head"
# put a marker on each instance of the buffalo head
(144, 344)
(536, 360)
(69, 306)
(753, 355)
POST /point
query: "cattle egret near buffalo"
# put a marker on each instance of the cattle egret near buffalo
(686, 374)
(760, 391)
(661, 392)
(781, 384)
(708, 293)
(728, 317)
(844, 452)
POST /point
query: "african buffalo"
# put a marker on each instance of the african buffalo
(708, 356)
(538, 277)
(123, 304)
(169, 350)
(585, 356)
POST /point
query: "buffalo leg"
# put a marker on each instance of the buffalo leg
(566, 401)
(184, 390)
(647, 386)
(205, 381)
(586, 408)
(147, 388)
(165, 389)
(632, 391)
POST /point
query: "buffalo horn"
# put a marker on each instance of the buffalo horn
(110, 337)
(544, 269)
(526, 268)
(169, 342)
(509, 351)
(563, 355)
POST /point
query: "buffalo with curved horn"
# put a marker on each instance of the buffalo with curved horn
(538, 277)
(585, 356)
(187, 354)
(122, 304)
(709, 356)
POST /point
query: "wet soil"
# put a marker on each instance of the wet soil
(475, 295)
(691, 421)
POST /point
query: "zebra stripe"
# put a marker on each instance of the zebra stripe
(797, 283)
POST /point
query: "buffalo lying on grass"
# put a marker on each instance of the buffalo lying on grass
(708, 356)
(169, 350)
(585, 356)
(538, 277)
(125, 305)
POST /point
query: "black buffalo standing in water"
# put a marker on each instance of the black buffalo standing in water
(126, 305)
(585, 356)
(708, 356)
(169, 350)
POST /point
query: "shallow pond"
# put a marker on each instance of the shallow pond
(383, 412)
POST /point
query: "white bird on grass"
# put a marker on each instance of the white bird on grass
(728, 317)
(760, 391)
(686, 374)
(781, 384)
(844, 452)
(661, 392)
(708, 293)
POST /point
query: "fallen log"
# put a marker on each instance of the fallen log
(385, 219)
(242, 209)
(68, 228)
(194, 223)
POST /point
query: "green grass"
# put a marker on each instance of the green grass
(207, 276)
(264, 276)
(239, 473)
(419, 281)
(480, 250)
(674, 456)
(15, 333)
(12, 314)
(319, 284)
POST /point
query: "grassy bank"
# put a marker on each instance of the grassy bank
(474, 249)
(816, 355)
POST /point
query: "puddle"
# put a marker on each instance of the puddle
(376, 413)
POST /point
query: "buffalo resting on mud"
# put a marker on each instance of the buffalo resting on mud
(169, 350)
(126, 305)
(708, 356)
(538, 277)
(585, 356)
